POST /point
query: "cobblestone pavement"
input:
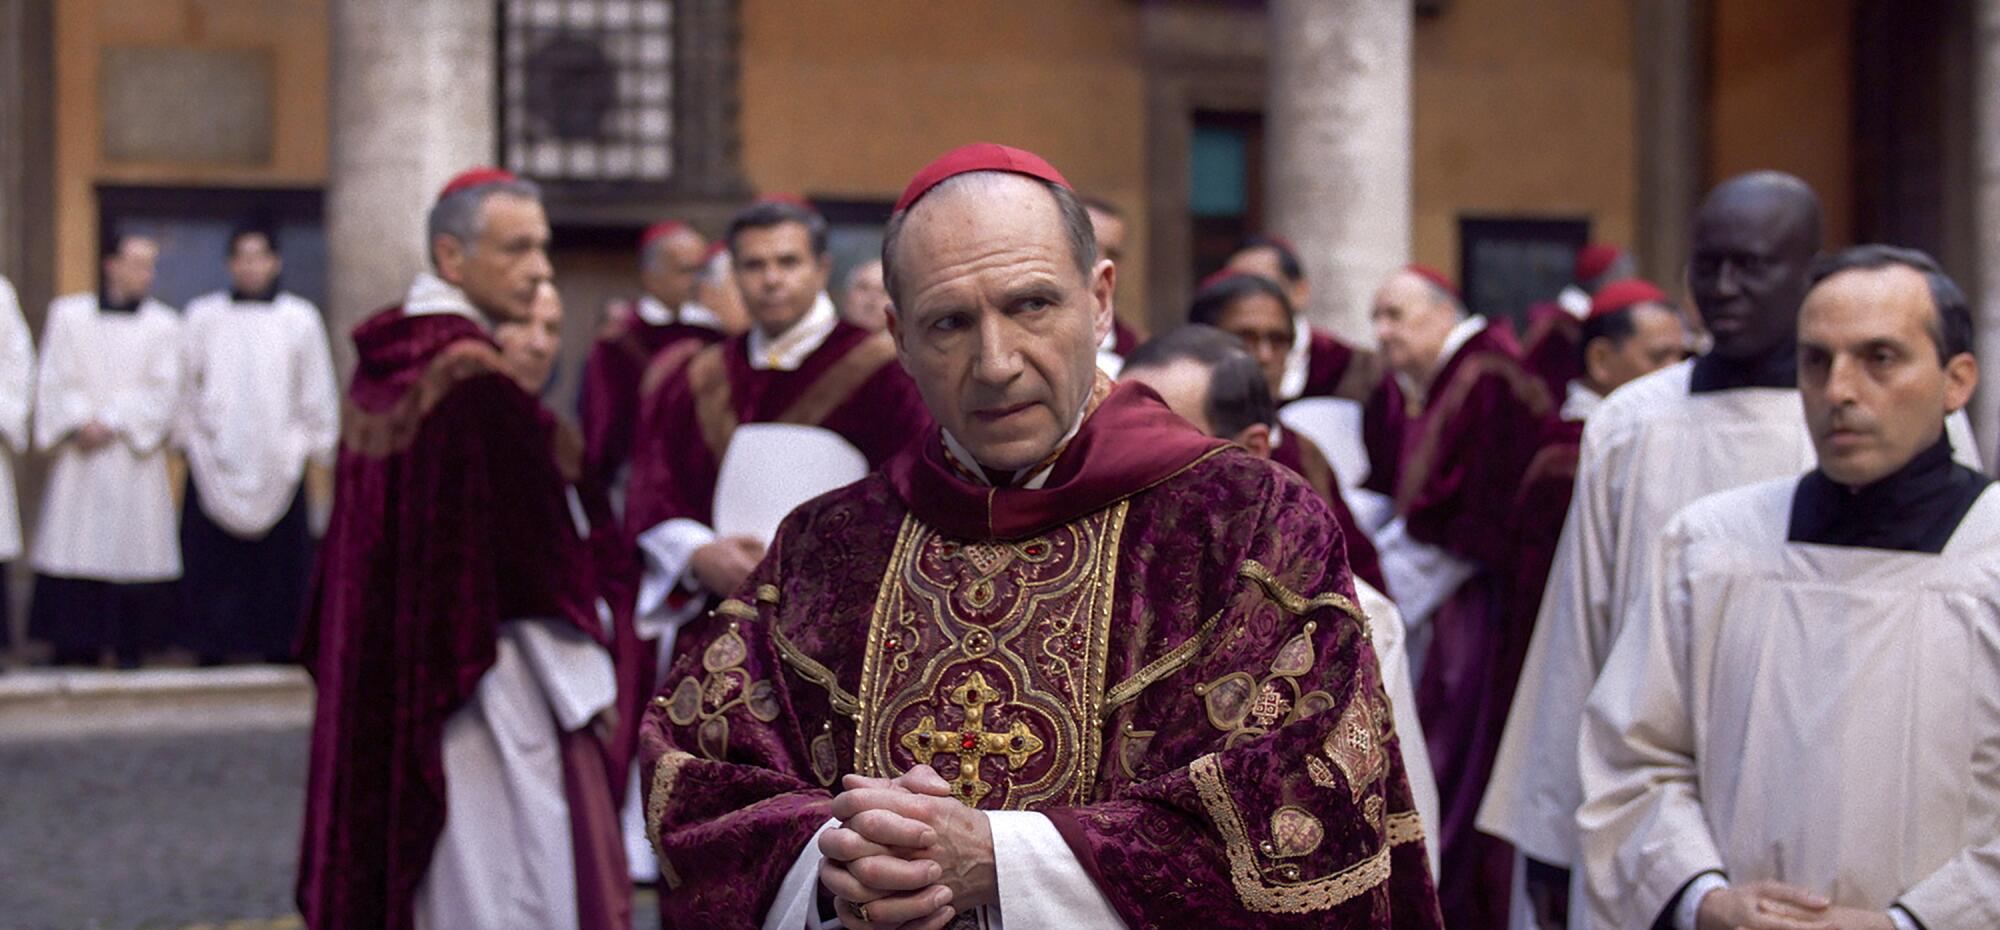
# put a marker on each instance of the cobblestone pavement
(175, 832)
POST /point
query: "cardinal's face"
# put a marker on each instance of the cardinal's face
(996, 322)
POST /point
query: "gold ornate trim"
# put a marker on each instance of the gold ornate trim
(767, 594)
(1292, 601)
(1045, 650)
(1403, 827)
(1256, 894)
(665, 773)
(878, 623)
(843, 701)
(737, 609)
(1173, 661)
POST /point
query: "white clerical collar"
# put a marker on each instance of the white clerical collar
(1298, 360)
(1035, 481)
(654, 313)
(1581, 401)
(795, 345)
(1576, 300)
(429, 294)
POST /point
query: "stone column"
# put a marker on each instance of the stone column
(413, 104)
(1667, 56)
(1337, 143)
(1985, 410)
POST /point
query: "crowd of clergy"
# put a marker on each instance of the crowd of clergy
(955, 603)
(174, 517)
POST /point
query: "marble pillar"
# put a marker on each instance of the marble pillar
(413, 104)
(1337, 148)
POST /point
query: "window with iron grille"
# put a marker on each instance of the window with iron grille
(587, 89)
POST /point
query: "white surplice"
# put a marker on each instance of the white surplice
(261, 402)
(108, 514)
(1825, 716)
(1649, 449)
(17, 386)
(506, 858)
(1386, 634)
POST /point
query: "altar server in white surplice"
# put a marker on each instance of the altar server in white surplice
(1801, 727)
(105, 552)
(17, 387)
(260, 403)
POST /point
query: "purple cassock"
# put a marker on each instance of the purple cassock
(1455, 464)
(1158, 650)
(608, 403)
(450, 517)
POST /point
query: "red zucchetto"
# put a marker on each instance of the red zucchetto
(474, 177)
(979, 156)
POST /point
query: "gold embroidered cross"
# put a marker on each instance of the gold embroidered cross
(971, 744)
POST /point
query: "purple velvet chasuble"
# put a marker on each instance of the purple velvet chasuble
(1158, 650)
(1302, 455)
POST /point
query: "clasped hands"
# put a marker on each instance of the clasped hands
(907, 855)
(1776, 906)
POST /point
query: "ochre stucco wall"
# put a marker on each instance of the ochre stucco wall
(848, 98)
(293, 33)
(1522, 108)
(1781, 96)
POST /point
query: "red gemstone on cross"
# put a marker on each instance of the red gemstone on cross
(968, 740)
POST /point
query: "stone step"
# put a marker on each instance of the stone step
(63, 703)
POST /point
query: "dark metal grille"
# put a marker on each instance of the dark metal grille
(587, 88)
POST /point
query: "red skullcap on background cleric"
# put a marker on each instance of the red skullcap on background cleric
(1218, 276)
(659, 231)
(1436, 277)
(1618, 295)
(1595, 259)
(475, 177)
(979, 156)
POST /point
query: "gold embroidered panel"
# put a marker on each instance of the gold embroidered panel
(985, 660)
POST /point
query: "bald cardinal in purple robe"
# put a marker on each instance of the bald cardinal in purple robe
(1063, 661)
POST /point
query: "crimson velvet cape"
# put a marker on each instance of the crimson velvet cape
(852, 385)
(608, 404)
(1458, 474)
(1158, 650)
(450, 517)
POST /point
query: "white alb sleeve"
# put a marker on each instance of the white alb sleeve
(797, 904)
(1041, 882)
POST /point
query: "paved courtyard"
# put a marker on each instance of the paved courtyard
(163, 828)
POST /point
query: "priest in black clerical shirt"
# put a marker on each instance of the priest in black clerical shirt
(1798, 723)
